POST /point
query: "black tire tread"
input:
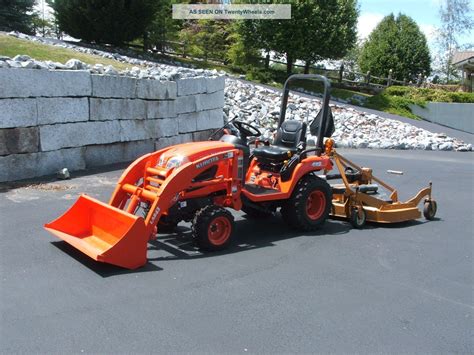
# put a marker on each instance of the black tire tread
(201, 223)
(429, 209)
(294, 210)
(353, 218)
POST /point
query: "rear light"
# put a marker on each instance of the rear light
(328, 146)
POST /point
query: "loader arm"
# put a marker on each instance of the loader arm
(176, 186)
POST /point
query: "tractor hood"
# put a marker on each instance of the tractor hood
(188, 152)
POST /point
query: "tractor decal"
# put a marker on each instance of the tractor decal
(207, 162)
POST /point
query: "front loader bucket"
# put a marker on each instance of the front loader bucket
(103, 232)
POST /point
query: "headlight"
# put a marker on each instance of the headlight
(175, 162)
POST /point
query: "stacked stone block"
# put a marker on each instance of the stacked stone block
(55, 119)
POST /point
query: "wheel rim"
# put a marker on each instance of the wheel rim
(360, 219)
(432, 209)
(315, 205)
(219, 230)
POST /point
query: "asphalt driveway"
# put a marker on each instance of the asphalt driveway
(398, 289)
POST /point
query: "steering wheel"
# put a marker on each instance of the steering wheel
(247, 129)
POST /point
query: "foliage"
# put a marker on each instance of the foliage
(331, 27)
(104, 21)
(397, 99)
(350, 61)
(241, 51)
(250, 37)
(396, 43)
(259, 75)
(17, 15)
(316, 30)
(430, 95)
(456, 20)
(164, 29)
(207, 39)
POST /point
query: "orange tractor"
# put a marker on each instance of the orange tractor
(199, 181)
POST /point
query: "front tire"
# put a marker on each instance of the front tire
(212, 228)
(309, 205)
(429, 209)
(358, 219)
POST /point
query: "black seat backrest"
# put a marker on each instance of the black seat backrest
(290, 134)
(328, 130)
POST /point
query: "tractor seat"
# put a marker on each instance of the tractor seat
(289, 136)
(274, 153)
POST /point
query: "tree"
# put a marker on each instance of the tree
(331, 29)
(207, 39)
(163, 27)
(251, 37)
(41, 27)
(243, 50)
(317, 29)
(396, 43)
(17, 15)
(456, 20)
(104, 21)
(350, 60)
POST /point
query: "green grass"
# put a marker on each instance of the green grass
(397, 99)
(11, 46)
(393, 104)
(340, 93)
(429, 95)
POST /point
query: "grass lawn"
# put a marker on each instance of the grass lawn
(317, 87)
(11, 46)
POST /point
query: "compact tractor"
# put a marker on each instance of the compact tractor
(199, 182)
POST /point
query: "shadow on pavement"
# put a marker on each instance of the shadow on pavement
(248, 235)
(101, 269)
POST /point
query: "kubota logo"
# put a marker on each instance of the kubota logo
(206, 162)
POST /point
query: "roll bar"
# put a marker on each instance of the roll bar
(325, 108)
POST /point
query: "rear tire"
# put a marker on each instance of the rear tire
(309, 205)
(429, 210)
(212, 228)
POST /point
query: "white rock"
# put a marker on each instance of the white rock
(28, 64)
(13, 64)
(75, 64)
(446, 146)
(110, 70)
(63, 174)
(22, 58)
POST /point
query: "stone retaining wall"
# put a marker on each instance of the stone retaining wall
(55, 119)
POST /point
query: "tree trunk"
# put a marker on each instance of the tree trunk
(145, 42)
(159, 47)
(289, 64)
(267, 61)
(307, 64)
